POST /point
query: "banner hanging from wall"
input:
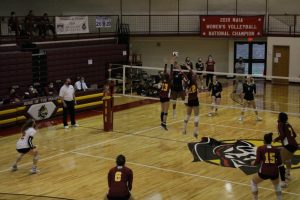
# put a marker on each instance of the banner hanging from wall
(71, 25)
(231, 26)
(103, 22)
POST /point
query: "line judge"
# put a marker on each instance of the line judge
(67, 96)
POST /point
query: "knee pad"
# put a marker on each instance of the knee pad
(187, 118)
(161, 115)
(165, 114)
(277, 188)
(253, 187)
(196, 119)
(173, 102)
(282, 172)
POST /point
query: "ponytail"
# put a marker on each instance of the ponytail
(28, 124)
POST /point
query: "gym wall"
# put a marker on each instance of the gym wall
(59, 7)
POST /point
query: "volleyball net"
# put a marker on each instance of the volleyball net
(273, 93)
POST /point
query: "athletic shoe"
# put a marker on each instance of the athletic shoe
(34, 170)
(258, 118)
(196, 135)
(66, 127)
(241, 119)
(288, 176)
(163, 126)
(210, 114)
(283, 184)
(75, 125)
(14, 168)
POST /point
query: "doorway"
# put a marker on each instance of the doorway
(281, 57)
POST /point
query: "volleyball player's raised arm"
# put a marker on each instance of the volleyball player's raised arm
(165, 68)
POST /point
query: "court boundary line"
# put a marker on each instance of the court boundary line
(92, 145)
(149, 166)
(234, 107)
(124, 136)
(182, 173)
(31, 195)
(96, 144)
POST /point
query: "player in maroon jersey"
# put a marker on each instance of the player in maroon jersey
(192, 102)
(177, 89)
(119, 180)
(287, 137)
(164, 96)
(268, 157)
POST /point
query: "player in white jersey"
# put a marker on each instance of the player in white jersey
(24, 145)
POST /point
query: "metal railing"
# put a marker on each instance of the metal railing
(6, 32)
(283, 25)
(286, 25)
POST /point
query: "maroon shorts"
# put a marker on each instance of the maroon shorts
(265, 177)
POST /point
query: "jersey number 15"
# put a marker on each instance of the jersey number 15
(270, 158)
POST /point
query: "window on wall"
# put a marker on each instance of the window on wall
(254, 55)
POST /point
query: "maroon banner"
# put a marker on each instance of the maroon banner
(231, 26)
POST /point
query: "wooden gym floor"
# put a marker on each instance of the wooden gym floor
(74, 162)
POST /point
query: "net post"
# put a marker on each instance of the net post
(108, 102)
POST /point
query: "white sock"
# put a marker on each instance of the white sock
(196, 129)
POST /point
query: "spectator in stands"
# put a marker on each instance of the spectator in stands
(67, 96)
(13, 96)
(50, 90)
(80, 85)
(13, 23)
(31, 93)
(30, 23)
(45, 25)
(188, 62)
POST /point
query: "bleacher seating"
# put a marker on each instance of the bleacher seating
(15, 68)
(73, 61)
(64, 59)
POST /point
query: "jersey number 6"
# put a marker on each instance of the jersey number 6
(118, 176)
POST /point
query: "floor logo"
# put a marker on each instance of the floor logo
(231, 153)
